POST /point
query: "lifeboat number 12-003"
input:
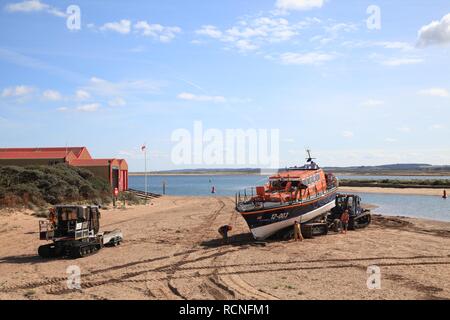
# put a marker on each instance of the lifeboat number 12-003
(280, 216)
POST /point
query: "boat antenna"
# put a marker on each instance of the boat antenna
(309, 159)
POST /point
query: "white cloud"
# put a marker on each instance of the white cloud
(210, 31)
(117, 102)
(287, 5)
(18, 91)
(138, 49)
(347, 134)
(82, 95)
(201, 98)
(34, 6)
(252, 33)
(89, 107)
(107, 88)
(404, 129)
(395, 62)
(156, 31)
(333, 32)
(394, 45)
(435, 33)
(52, 95)
(311, 58)
(372, 103)
(123, 26)
(437, 126)
(341, 27)
(390, 140)
(245, 45)
(143, 28)
(63, 109)
(435, 92)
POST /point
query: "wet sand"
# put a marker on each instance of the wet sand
(420, 191)
(172, 250)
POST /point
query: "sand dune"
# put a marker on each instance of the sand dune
(172, 251)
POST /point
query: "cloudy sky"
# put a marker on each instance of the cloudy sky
(359, 82)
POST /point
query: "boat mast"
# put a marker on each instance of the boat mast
(309, 159)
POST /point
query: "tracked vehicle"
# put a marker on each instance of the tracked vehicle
(74, 232)
(331, 220)
(359, 217)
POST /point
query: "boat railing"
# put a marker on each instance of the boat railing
(248, 198)
(245, 195)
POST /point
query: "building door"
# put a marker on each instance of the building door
(115, 178)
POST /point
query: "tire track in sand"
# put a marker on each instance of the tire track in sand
(233, 282)
(200, 231)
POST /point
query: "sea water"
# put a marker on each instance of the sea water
(429, 207)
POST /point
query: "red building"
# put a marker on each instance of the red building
(113, 170)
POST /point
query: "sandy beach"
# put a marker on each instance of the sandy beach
(413, 191)
(171, 250)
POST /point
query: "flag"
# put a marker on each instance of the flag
(143, 148)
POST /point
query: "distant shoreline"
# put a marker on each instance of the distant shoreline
(253, 173)
(231, 173)
(405, 191)
(392, 173)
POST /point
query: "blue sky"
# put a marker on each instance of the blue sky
(136, 71)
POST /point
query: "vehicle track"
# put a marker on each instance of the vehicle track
(91, 273)
(128, 277)
(234, 283)
(89, 284)
(223, 281)
(124, 277)
(247, 291)
(169, 290)
(200, 231)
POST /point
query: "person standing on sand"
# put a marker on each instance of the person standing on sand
(223, 230)
(345, 218)
(445, 194)
(297, 232)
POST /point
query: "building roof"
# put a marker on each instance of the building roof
(35, 154)
(77, 151)
(76, 156)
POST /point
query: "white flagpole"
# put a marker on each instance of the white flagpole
(145, 170)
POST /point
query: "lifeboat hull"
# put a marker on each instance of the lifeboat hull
(265, 222)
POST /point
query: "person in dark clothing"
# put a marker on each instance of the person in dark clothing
(223, 230)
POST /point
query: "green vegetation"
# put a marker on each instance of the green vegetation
(43, 185)
(394, 183)
(129, 198)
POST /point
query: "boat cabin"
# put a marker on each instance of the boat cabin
(290, 186)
